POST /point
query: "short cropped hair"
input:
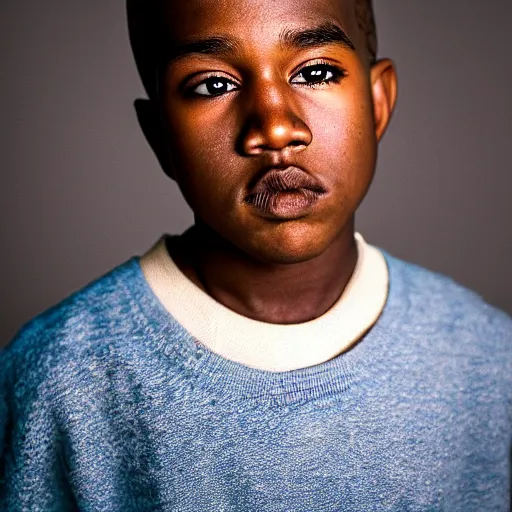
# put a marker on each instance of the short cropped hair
(145, 31)
(366, 21)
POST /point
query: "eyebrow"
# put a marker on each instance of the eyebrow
(324, 34)
(303, 39)
(210, 46)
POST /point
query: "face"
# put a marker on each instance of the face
(268, 113)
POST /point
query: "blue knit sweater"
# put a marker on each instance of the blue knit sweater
(107, 404)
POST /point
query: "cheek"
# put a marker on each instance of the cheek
(199, 142)
(196, 134)
(343, 124)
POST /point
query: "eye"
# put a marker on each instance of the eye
(214, 86)
(318, 74)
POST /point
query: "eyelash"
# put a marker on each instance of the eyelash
(337, 74)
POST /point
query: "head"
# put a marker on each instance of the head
(267, 114)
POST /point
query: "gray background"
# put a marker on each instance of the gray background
(81, 191)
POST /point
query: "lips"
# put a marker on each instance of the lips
(285, 193)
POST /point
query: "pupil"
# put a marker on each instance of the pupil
(215, 86)
(316, 73)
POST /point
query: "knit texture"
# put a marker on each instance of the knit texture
(108, 404)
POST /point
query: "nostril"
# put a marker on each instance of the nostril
(297, 145)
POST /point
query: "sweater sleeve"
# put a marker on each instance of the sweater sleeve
(32, 468)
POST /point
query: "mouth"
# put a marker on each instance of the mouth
(285, 193)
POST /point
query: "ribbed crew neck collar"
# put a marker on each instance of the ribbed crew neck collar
(265, 346)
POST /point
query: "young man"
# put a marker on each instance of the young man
(268, 359)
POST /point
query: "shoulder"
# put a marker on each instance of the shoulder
(87, 322)
(432, 303)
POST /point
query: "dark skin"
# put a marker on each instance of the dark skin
(255, 98)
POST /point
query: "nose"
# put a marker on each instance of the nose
(272, 121)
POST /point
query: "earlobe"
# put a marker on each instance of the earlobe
(384, 92)
(151, 125)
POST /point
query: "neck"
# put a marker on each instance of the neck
(268, 292)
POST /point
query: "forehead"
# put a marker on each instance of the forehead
(257, 21)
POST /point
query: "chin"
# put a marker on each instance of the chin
(286, 250)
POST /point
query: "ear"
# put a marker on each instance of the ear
(151, 124)
(384, 91)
